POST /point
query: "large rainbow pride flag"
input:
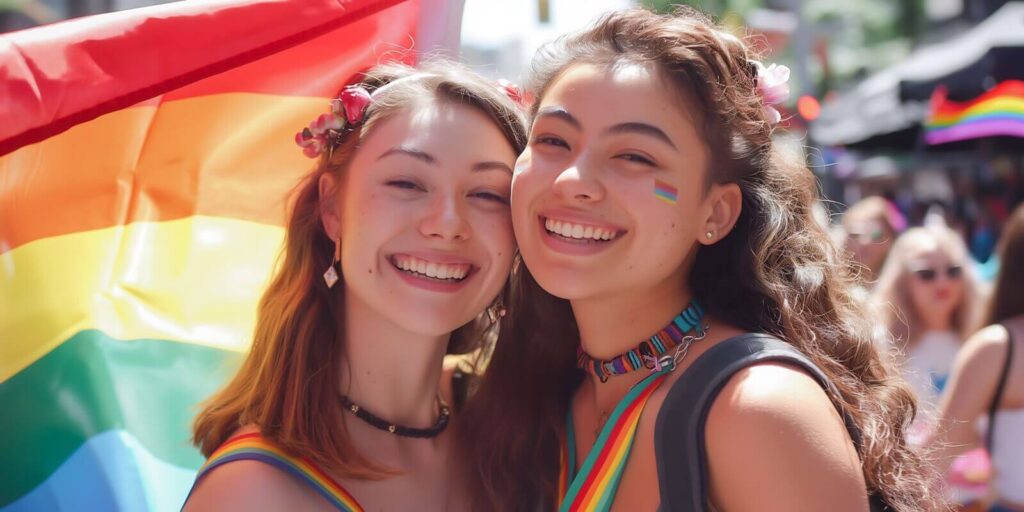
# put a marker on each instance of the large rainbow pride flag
(997, 112)
(146, 160)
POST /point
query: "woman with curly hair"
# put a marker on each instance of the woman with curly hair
(681, 333)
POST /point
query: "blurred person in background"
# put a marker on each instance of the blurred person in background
(926, 295)
(870, 226)
(988, 380)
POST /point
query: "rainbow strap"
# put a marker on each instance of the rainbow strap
(593, 489)
(255, 447)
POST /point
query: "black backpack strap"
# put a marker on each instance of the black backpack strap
(679, 429)
(1000, 387)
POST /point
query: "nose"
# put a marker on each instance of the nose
(444, 219)
(578, 183)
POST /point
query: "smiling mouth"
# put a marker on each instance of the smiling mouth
(579, 233)
(430, 270)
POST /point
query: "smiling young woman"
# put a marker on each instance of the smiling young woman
(672, 268)
(398, 242)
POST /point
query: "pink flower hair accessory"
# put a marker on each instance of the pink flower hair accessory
(773, 88)
(511, 90)
(347, 112)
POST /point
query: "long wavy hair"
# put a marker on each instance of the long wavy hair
(775, 272)
(1007, 299)
(892, 293)
(288, 383)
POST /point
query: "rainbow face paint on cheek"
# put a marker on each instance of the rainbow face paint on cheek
(665, 192)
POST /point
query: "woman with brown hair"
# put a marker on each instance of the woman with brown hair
(988, 380)
(398, 240)
(682, 333)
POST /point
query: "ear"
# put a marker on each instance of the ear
(330, 214)
(726, 202)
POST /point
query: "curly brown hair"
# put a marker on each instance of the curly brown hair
(776, 272)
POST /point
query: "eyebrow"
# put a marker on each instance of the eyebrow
(642, 129)
(408, 151)
(560, 113)
(429, 159)
(492, 166)
(631, 127)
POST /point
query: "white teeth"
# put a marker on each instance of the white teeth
(578, 231)
(454, 271)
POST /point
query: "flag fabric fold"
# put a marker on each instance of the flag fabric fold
(146, 158)
(997, 112)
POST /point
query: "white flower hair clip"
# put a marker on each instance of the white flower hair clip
(773, 88)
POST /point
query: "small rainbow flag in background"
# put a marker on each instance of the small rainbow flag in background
(145, 159)
(1000, 111)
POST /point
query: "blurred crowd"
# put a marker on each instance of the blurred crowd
(946, 291)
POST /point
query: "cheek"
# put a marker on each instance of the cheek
(920, 294)
(364, 222)
(527, 185)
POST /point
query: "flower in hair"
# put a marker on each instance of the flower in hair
(510, 89)
(773, 88)
(353, 100)
(347, 111)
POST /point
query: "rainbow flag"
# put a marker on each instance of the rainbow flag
(145, 161)
(1000, 111)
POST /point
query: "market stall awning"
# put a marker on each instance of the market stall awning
(896, 98)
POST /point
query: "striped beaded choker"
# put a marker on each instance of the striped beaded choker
(652, 353)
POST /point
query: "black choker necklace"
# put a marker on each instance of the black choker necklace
(398, 430)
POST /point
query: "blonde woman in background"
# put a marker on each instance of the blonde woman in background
(926, 296)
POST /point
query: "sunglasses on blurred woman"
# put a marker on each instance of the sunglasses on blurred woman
(929, 274)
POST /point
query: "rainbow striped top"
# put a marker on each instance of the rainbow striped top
(256, 447)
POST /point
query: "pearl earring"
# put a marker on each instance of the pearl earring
(710, 235)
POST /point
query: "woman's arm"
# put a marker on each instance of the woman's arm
(777, 443)
(968, 395)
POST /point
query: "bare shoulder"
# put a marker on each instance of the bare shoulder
(976, 370)
(776, 442)
(986, 346)
(247, 485)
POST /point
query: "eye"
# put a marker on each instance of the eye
(404, 184)
(550, 140)
(637, 158)
(490, 196)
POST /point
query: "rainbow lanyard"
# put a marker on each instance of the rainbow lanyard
(594, 487)
(255, 447)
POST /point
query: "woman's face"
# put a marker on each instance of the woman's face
(935, 283)
(609, 195)
(869, 239)
(426, 239)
